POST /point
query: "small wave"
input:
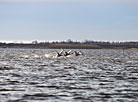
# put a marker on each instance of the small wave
(37, 56)
(49, 56)
(16, 75)
(30, 56)
(38, 96)
(24, 56)
(6, 68)
(11, 90)
(70, 67)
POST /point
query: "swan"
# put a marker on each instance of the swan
(58, 54)
(65, 53)
(77, 53)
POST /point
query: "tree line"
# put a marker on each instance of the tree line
(70, 43)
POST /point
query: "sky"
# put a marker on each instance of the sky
(109, 20)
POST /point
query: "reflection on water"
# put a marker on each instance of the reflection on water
(27, 75)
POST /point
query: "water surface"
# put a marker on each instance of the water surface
(27, 75)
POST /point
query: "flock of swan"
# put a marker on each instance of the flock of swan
(55, 54)
(68, 53)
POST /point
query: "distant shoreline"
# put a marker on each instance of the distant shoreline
(68, 46)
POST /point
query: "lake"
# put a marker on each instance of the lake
(100, 75)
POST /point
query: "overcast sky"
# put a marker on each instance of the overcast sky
(111, 20)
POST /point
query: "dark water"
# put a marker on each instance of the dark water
(26, 75)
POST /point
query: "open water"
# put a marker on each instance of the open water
(32, 75)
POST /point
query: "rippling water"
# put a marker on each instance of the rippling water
(28, 75)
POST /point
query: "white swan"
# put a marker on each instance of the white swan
(67, 54)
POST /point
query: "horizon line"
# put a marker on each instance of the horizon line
(30, 41)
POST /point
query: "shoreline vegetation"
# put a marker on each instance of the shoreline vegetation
(69, 44)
